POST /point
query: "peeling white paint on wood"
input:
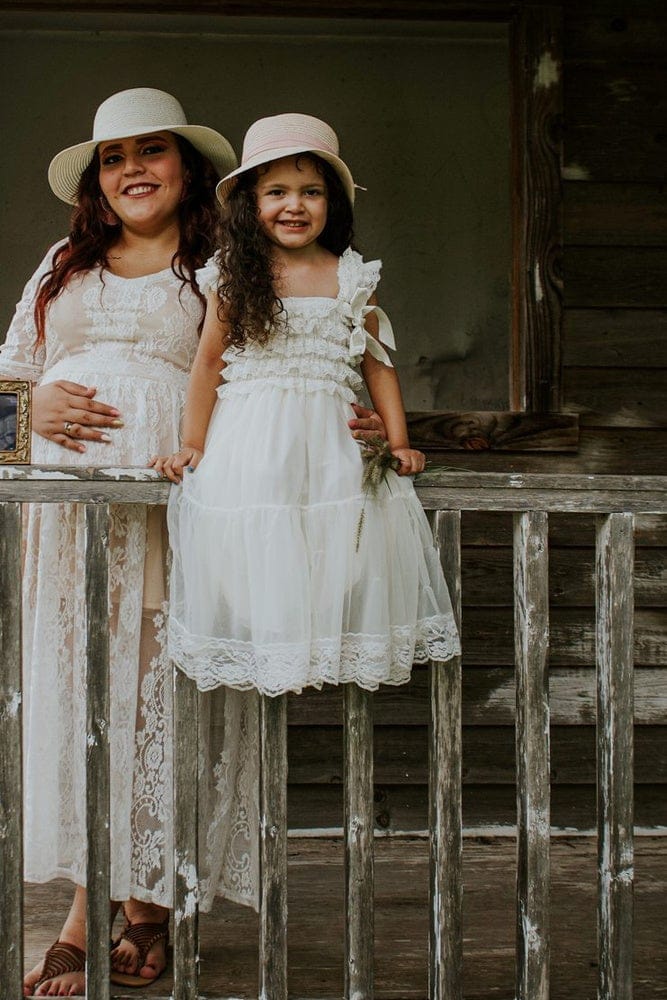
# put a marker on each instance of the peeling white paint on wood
(539, 291)
(547, 72)
(575, 172)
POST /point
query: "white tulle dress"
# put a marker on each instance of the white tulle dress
(273, 587)
(135, 340)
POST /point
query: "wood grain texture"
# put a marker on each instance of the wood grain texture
(186, 862)
(627, 338)
(98, 859)
(493, 431)
(11, 779)
(316, 755)
(608, 397)
(618, 277)
(536, 97)
(614, 214)
(273, 849)
(531, 643)
(489, 695)
(359, 826)
(615, 746)
(403, 809)
(488, 10)
(445, 787)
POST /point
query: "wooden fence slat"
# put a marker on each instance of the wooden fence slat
(615, 605)
(273, 849)
(98, 882)
(445, 788)
(11, 788)
(186, 813)
(531, 634)
(359, 825)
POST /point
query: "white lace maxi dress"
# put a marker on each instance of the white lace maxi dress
(269, 587)
(135, 340)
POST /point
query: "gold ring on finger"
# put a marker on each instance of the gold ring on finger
(68, 427)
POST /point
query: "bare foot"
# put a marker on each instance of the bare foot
(125, 957)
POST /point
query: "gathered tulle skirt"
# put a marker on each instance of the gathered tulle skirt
(286, 573)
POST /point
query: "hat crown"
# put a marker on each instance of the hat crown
(132, 112)
(285, 132)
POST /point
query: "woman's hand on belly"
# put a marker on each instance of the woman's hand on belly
(68, 414)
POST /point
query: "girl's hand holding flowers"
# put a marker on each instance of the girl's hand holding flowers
(172, 467)
(412, 461)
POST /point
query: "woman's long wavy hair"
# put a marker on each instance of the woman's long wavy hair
(246, 289)
(91, 235)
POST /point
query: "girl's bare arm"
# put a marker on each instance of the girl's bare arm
(200, 398)
(385, 392)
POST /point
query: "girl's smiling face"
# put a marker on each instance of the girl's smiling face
(292, 202)
(142, 178)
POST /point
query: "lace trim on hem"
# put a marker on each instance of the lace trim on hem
(367, 660)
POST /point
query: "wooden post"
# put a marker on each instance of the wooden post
(531, 640)
(273, 849)
(614, 646)
(445, 788)
(98, 881)
(11, 785)
(186, 814)
(359, 826)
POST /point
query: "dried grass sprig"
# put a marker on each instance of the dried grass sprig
(378, 460)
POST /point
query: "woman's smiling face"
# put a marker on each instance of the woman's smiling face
(292, 202)
(142, 178)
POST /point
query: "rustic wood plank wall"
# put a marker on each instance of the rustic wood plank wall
(614, 355)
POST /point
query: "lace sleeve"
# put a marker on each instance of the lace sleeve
(18, 356)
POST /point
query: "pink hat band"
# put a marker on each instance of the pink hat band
(286, 135)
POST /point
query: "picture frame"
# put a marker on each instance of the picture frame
(15, 421)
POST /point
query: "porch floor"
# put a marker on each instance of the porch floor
(229, 934)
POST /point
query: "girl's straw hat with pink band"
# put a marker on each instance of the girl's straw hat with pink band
(286, 135)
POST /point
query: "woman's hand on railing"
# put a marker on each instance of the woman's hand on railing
(172, 466)
(366, 424)
(68, 414)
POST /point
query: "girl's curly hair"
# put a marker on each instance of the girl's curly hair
(91, 236)
(246, 288)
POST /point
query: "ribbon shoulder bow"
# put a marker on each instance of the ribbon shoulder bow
(356, 311)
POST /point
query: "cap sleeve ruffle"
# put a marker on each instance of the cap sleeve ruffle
(358, 281)
(18, 357)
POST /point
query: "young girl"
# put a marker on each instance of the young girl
(288, 572)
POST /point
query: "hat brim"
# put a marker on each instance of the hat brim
(228, 183)
(67, 166)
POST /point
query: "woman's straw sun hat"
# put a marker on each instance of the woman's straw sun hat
(135, 112)
(287, 135)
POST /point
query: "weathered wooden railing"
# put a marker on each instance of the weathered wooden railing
(444, 495)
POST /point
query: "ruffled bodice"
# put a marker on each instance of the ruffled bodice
(320, 340)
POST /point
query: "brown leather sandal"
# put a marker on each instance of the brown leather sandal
(143, 937)
(61, 958)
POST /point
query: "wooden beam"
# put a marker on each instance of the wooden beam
(531, 638)
(536, 111)
(615, 755)
(273, 849)
(98, 880)
(359, 825)
(186, 815)
(445, 788)
(493, 430)
(11, 777)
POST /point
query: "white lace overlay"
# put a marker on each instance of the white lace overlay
(135, 340)
(276, 587)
